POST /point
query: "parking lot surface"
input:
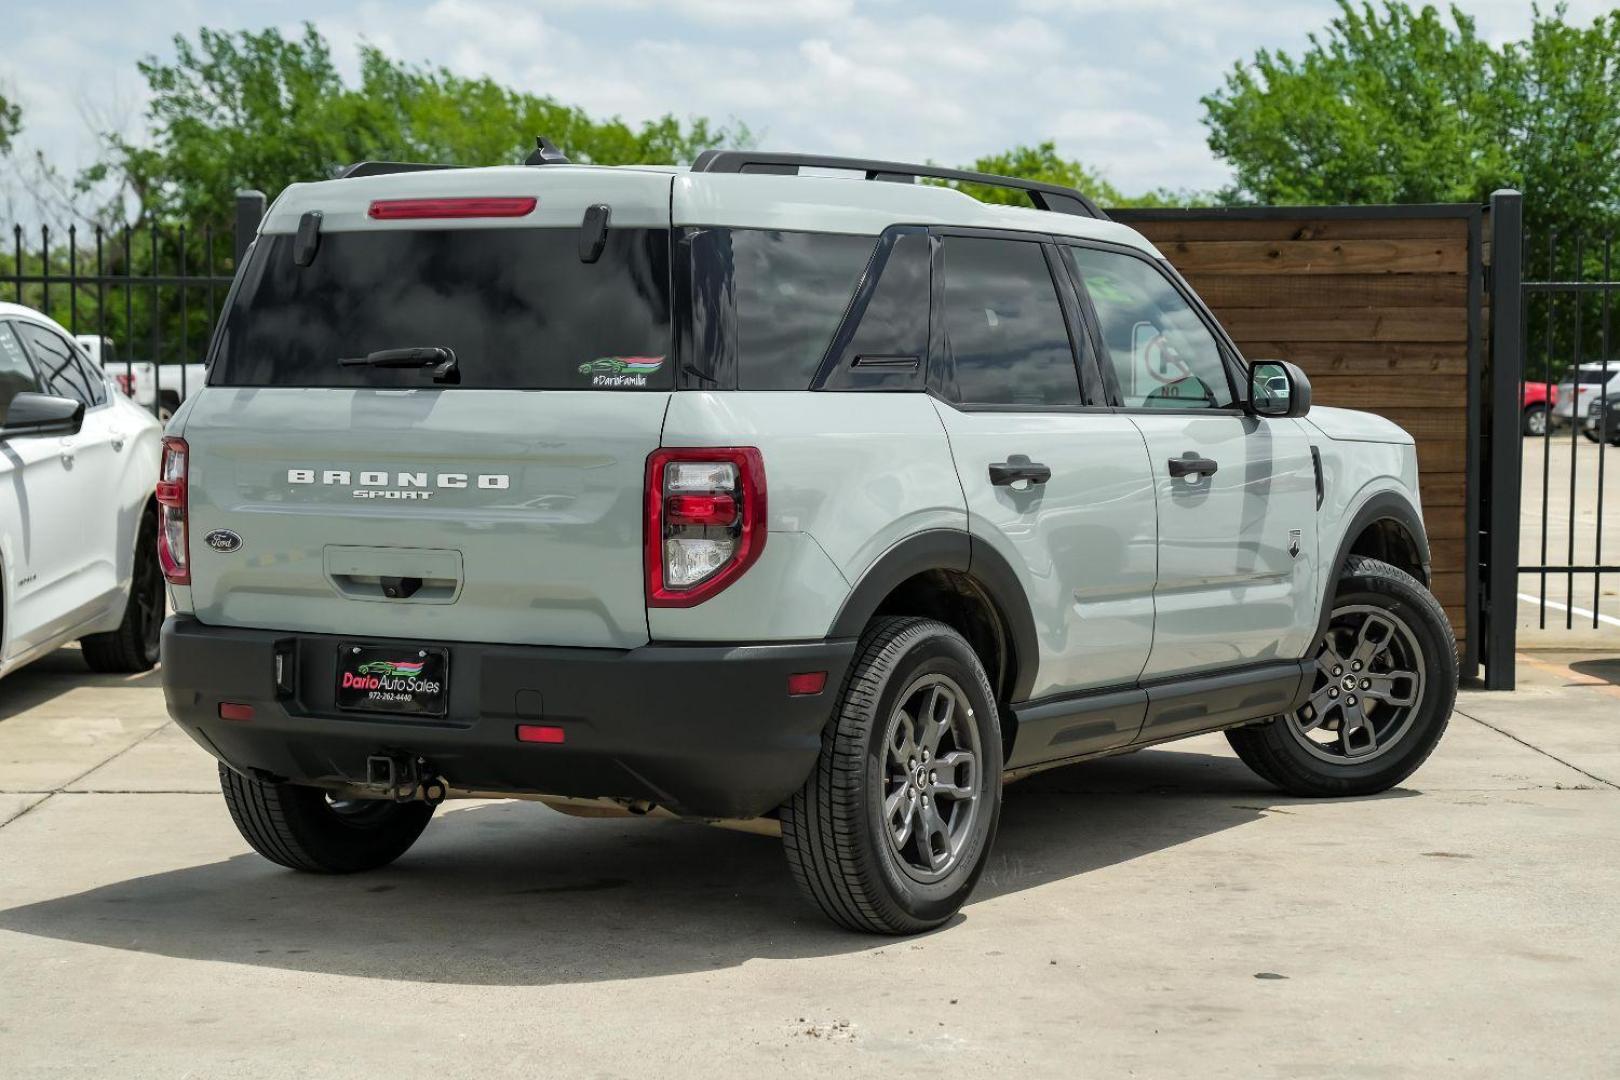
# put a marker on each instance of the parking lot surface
(1159, 914)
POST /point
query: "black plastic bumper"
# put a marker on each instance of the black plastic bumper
(708, 730)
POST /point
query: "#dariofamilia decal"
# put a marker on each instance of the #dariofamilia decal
(621, 370)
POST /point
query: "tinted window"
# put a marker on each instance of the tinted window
(16, 374)
(517, 306)
(1005, 326)
(767, 303)
(64, 371)
(1163, 354)
(888, 349)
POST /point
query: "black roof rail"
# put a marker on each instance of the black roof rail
(384, 168)
(1054, 197)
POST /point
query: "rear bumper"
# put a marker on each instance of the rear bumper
(707, 730)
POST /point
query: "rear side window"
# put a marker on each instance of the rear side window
(767, 302)
(16, 374)
(518, 307)
(65, 371)
(1008, 340)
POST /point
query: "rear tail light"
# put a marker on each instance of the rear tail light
(485, 207)
(126, 383)
(174, 546)
(705, 521)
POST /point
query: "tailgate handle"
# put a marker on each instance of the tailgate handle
(400, 588)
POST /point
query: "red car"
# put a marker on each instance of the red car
(1539, 399)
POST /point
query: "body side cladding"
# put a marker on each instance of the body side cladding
(950, 550)
(1381, 506)
(1095, 723)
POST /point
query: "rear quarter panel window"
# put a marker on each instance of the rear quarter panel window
(768, 302)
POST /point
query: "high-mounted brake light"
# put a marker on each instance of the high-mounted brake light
(483, 207)
(173, 496)
(705, 521)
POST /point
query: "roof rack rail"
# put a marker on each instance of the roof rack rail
(384, 168)
(1054, 197)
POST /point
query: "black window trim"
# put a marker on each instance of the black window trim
(1231, 358)
(91, 369)
(944, 389)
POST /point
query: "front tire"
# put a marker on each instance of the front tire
(133, 647)
(303, 829)
(891, 831)
(1383, 689)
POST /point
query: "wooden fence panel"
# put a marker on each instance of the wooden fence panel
(1378, 305)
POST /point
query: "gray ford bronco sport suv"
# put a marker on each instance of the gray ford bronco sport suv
(825, 501)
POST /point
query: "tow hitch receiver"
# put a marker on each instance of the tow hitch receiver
(404, 779)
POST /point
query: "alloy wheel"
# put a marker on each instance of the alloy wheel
(932, 780)
(1367, 685)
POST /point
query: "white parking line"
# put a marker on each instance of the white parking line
(1535, 601)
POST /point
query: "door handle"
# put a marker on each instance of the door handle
(1018, 467)
(1190, 464)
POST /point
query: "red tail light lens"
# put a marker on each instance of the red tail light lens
(705, 521)
(126, 383)
(400, 209)
(174, 544)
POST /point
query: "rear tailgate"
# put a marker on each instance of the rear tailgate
(506, 507)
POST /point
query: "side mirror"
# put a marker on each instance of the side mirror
(1278, 389)
(42, 414)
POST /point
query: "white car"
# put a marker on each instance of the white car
(158, 388)
(1583, 385)
(78, 510)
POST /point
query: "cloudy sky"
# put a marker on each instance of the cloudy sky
(1114, 82)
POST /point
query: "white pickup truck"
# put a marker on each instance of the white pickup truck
(160, 388)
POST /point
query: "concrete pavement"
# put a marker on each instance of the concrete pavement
(1162, 914)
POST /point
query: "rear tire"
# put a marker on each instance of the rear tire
(1535, 420)
(1390, 638)
(891, 831)
(1592, 435)
(301, 828)
(133, 646)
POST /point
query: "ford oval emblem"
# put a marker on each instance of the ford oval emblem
(223, 540)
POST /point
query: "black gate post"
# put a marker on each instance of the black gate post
(249, 212)
(1499, 544)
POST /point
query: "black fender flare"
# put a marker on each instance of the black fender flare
(1385, 505)
(954, 550)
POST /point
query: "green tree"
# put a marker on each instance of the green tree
(1402, 105)
(263, 110)
(10, 123)
(1042, 162)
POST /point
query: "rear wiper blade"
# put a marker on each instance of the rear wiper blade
(441, 358)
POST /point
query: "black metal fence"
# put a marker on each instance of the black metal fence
(1555, 302)
(150, 295)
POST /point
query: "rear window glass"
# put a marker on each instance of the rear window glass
(767, 302)
(517, 306)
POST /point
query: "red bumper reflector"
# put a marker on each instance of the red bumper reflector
(231, 710)
(541, 733)
(398, 209)
(806, 683)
